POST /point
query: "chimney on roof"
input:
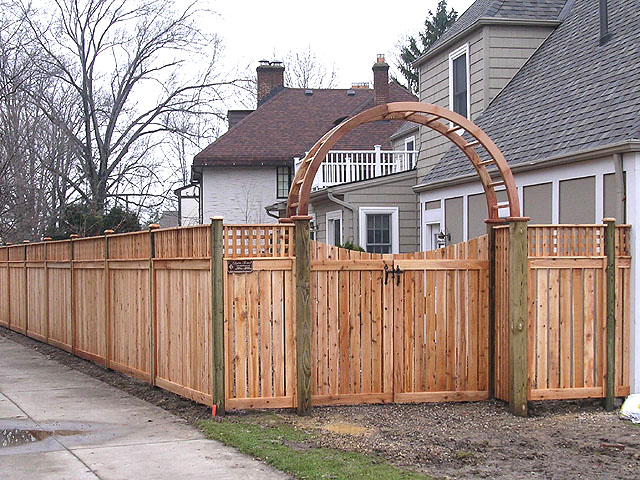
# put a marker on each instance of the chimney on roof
(380, 81)
(270, 77)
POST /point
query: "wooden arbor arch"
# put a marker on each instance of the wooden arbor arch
(443, 121)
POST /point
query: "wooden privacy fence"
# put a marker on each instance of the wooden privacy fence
(382, 328)
(566, 311)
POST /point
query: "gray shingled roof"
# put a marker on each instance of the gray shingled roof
(502, 9)
(572, 95)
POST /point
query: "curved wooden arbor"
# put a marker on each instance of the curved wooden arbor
(432, 116)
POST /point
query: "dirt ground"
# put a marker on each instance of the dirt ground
(560, 440)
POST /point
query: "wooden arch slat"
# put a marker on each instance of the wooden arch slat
(424, 114)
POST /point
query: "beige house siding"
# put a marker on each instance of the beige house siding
(395, 191)
(434, 88)
(496, 53)
(509, 48)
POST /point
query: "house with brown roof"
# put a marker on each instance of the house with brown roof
(251, 166)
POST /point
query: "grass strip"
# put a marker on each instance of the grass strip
(287, 448)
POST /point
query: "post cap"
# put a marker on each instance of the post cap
(518, 219)
(154, 226)
(217, 218)
(301, 217)
(496, 221)
(108, 232)
(26, 241)
(73, 235)
(47, 239)
(609, 220)
(285, 220)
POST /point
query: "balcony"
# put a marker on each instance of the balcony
(354, 165)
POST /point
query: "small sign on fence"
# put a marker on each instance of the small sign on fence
(240, 266)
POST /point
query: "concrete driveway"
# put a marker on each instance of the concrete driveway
(99, 431)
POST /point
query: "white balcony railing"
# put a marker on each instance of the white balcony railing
(355, 165)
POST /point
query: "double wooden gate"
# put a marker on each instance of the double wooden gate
(385, 328)
(399, 328)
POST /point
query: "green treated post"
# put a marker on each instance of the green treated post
(152, 306)
(217, 313)
(518, 270)
(610, 252)
(303, 314)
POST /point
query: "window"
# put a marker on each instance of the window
(379, 230)
(334, 228)
(409, 146)
(459, 81)
(283, 181)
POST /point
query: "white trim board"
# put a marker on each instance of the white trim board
(463, 50)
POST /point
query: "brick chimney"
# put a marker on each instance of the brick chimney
(270, 77)
(380, 81)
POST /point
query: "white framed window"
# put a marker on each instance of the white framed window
(334, 228)
(379, 229)
(459, 95)
(410, 146)
(313, 227)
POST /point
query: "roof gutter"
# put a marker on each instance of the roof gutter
(479, 23)
(591, 154)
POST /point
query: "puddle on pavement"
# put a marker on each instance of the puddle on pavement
(345, 428)
(11, 437)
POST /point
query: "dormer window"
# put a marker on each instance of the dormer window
(459, 81)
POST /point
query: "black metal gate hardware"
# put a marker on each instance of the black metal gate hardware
(394, 274)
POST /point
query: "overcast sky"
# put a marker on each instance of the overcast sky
(346, 34)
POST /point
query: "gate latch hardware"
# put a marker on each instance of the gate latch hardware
(394, 274)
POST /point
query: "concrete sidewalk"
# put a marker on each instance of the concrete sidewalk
(101, 432)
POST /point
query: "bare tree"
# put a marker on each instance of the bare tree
(129, 65)
(31, 147)
(304, 70)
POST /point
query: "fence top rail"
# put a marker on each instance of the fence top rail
(130, 234)
(182, 228)
(258, 225)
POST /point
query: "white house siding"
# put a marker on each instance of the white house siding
(239, 194)
(596, 168)
(631, 165)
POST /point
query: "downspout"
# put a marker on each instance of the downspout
(620, 188)
(348, 206)
(272, 215)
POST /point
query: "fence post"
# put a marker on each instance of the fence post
(518, 321)
(303, 314)
(46, 289)
(491, 234)
(8, 287)
(217, 314)
(107, 299)
(73, 297)
(152, 306)
(26, 289)
(610, 252)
